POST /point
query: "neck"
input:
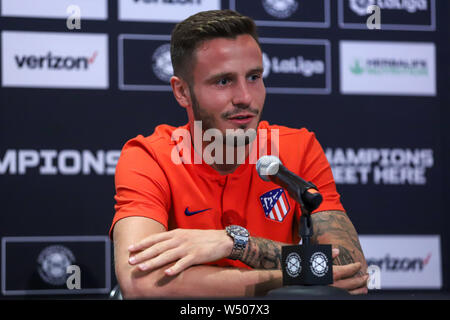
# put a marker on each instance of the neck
(227, 161)
(230, 159)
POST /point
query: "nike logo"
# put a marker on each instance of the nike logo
(191, 213)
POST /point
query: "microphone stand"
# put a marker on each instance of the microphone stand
(302, 287)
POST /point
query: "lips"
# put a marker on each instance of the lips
(241, 118)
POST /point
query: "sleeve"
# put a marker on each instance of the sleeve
(316, 168)
(142, 188)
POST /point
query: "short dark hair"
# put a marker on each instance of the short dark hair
(190, 33)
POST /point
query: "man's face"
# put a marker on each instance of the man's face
(228, 90)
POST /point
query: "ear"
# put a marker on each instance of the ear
(181, 91)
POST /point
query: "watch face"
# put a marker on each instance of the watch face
(240, 231)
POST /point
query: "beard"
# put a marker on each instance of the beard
(209, 122)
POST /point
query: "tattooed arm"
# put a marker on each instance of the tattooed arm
(334, 227)
(179, 253)
(330, 227)
(262, 253)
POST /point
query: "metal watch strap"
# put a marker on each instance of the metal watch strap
(239, 242)
(237, 251)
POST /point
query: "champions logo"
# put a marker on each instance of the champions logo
(53, 262)
(54, 62)
(360, 6)
(380, 166)
(64, 162)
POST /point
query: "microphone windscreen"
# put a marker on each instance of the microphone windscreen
(267, 166)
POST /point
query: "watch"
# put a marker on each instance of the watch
(240, 237)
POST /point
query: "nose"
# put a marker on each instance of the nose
(241, 94)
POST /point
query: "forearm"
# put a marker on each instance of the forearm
(263, 253)
(334, 227)
(200, 281)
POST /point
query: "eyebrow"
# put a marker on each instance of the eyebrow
(229, 74)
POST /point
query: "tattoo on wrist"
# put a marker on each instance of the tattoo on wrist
(344, 257)
(262, 254)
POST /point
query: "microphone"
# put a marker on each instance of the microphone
(270, 168)
(308, 264)
(307, 268)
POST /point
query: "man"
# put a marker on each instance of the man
(175, 225)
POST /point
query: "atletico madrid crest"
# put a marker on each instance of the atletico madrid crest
(275, 204)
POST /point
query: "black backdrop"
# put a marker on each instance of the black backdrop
(41, 205)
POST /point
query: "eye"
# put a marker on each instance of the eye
(254, 77)
(223, 81)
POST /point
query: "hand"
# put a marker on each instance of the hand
(186, 247)
(345, 276)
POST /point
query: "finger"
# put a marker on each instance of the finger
(152, 252)
(161, 260)
(334, 253)
(351, 283)
(362, 290)
(181, 265)
(345, 271)
(149, 241)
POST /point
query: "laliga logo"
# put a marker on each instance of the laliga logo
(292, 65)
(280, 8)
(162, 63)
(360, 6)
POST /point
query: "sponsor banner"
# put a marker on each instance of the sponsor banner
(296, 66)
(56, 265)
(54, 60)
(291, 66)
(405, 261)
(388, 68)
(90, 9)
(163, 10)
(409, 15)
(380, 165)
(58, 162)
(286, 13)
(144, 62)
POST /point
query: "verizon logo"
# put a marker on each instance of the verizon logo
(389, 263)
(54, 62)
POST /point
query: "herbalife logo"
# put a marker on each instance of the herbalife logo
(54, 62)
(292, 65)
(356, 68)
(378, 66)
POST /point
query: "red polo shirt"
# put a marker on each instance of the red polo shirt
(195, 196)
